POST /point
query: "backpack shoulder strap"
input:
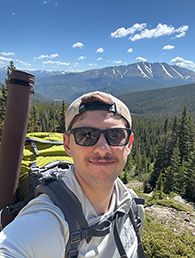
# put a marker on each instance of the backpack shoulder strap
(71, 207)
(69, 204)
(136, 221)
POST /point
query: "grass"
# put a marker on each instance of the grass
(161, 242)
(164, 243)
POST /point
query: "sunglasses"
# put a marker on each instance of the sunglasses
(89, 136)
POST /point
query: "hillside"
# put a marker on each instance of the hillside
(165, 101)
(139, 86)
(38, 98)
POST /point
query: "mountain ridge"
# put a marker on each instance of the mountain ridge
(134, 77)
(72, 84)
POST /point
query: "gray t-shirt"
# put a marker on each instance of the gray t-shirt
(40, 230)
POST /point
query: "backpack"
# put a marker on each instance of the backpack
(42, 148)
(44, 164)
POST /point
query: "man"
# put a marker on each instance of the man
(99, 138)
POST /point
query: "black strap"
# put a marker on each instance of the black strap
(65, 200)
(136, 221)
(117, 239)
(140, 249)
(20, 82)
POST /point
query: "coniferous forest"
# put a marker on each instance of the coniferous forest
(162, 157)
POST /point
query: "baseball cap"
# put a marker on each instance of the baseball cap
(78, 106)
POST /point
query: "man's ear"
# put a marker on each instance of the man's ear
(67, 144)
(130, 144)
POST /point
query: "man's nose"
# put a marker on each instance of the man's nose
(102, 146)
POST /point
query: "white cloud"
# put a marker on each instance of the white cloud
(7, 54)
(1, 62)
(100, 58)
(168, 47)
(182, 30)
(140, 59)
(81, 58)
(46, 56)
(13, 14)
(21, 62)
(78, 44)
(117, 61)
(130, 50)
(92, 64)
(76, 64)
(160, 30)
(122, 32)
(5, 58)
(55, 62)
(99, 50)
(182, 62)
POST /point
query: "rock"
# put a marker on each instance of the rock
(180, 199)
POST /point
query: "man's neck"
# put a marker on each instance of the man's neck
(100, 199)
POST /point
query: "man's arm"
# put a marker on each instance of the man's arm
(38, 231)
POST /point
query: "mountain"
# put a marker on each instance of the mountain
(36, 73)
(70, 85)
(3, 74)
(135, 77)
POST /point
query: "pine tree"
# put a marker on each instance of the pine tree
(172, 170)
(129, 163)
(179, 186)
(138, 168)
(125, 176)
(173, 138)
(158, 191)
(61, 124)
(144, 163)
(53, 116)
(161, 158)
(34, 124)
(189, 184)
(186, 136)
(3, 95)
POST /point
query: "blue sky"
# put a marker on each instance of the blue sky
(79, 35)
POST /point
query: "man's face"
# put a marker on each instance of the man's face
(99, 165)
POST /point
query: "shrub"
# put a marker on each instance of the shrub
(164, 243)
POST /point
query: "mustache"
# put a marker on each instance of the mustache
(107, 157)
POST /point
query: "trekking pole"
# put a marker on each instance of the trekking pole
(21, 88)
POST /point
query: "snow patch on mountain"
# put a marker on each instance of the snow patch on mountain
(142, 72)
(166, 71)
(149, 69)
(177, 72)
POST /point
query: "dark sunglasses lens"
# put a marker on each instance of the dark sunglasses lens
(86, 136)
(117, 136)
